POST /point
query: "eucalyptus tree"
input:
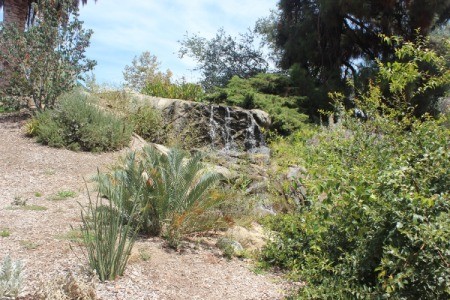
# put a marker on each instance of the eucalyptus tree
(21, 12)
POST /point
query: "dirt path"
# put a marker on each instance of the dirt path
(40, 238)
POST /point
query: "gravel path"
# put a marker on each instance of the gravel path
(33, 173)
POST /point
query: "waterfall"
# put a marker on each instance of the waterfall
(254, 138)
(229, 141)
(226, 125)
(213, 125)
(250, 137)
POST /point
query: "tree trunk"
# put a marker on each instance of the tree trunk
(15, 13)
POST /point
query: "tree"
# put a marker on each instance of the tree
(223, 57)
(143, 70)
(47, 59)
(326, 38)
(17, 13)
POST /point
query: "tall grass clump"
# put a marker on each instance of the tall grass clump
(79, 124)
(107, 235)
(10, 278)
(171, 191)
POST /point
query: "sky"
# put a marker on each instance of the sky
(125, 29)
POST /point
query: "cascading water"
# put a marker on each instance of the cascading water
(212, 127)
(229, 141)
(223, 127)
(250, 140)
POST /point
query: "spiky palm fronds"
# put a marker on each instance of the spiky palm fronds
(168, 189)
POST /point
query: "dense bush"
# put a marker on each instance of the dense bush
(376, 224)
(178, 90)
(170, 192)
(77, 123)
(148, 123)
(269, 92)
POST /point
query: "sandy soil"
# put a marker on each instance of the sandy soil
(39, 238)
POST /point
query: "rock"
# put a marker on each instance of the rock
(138, 143)
(250, 238)
(225, 242)
(263, 211)
(295, 172)
(257, 188)
(226, 173)
(443, 105)
(261, 158)
(262, 118)
(213, 126)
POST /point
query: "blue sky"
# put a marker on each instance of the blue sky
(124, 29)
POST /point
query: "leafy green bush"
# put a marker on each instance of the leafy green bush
(49, 57)
(377, 224)
(107, 237)
(170, 191)
(377, 220)
(148, 123)
(162, 87)
(77, 123)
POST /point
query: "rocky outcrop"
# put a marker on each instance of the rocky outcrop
(215, 126)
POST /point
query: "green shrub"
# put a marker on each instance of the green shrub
(377, 221)
(119, 101)
(269, 92)
(149, 124)
(107, 236)
(78, 124)
(10, 278)
(47, 129)
(170, 191)
(162, 87)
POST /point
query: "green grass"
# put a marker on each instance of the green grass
(38, 194)
(5, 110)
(73, 235)
(62, 195)
(29, 245)
(4, 232)
(144, 254)
(32, 207)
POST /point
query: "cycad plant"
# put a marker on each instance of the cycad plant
(169, 190)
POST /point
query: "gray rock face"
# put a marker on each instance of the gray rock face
(215, 126)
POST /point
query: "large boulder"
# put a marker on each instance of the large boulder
(215, 126)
